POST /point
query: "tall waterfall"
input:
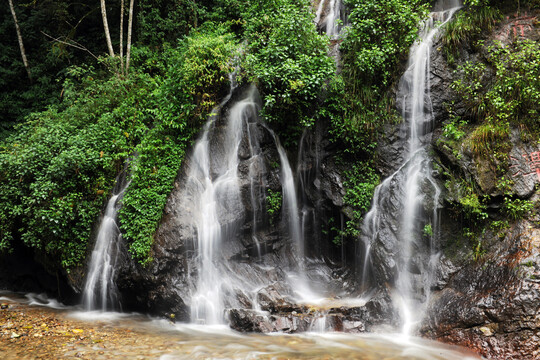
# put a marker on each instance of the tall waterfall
(215, 196)
(100, 291)
(401, 192)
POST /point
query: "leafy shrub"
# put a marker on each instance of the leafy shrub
(360, 183)
(273, 204)
(467, 26)
(378, 38)
(517, 208)
(288, 59)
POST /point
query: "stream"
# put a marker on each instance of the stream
(34, 326)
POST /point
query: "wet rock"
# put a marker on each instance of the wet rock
(492, 306)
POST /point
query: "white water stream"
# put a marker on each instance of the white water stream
(100, 291)
(215, 196)
(411, 291)
(332, 26)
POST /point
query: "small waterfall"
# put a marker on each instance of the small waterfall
(332, 27)
(417, 111)
(257, 181)
(401, 192)
(291, 217)
(215, 196)
(319, 324)
(319, 11)
(290, 205)
(327, 17)
(100, 291)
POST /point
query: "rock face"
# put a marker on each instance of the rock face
(492, 305)
(487, 294)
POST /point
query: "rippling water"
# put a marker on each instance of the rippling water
(224, 344)
(161, 339)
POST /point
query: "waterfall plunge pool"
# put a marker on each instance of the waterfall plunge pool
(35, 326)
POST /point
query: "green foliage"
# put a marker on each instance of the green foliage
(195, 78)
(468, 25)
(274, 200)
(517, 208)
(428, 230)
(472, 206)
(500, 227)
(378, 37)
(162, 21)
(478, 251)
(360, 181)
(288, 59)
(355, 126)
(358, 103)
(512, 97)
(453, 129)
(55, 169)
(468, 202)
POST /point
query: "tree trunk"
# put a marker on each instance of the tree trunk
(122, 36)
(130, 26)
(19, 38)
(106, 28)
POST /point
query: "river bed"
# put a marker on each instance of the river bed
(34, 327)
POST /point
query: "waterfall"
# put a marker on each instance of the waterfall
(100, 291)
(291, 217)
(329, 12)
(257, 182)
(332, 27)
(215, 196)
(290, 205)
(401, 192)
(319, 11)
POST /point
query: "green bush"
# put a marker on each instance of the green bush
(517, 208)
(467, 26)
(274, 200)
(379, 36)
(56, 168)
(288, 59)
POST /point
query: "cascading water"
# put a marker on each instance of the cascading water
(329, 11)
(400, 193)
(100, 290)
(291, 217)
(215, 196)
(320, 9)
(257, 183)
(332, 26)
